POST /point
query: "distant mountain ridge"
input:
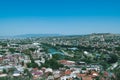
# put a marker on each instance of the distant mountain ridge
(29, 36)
(37, 35)
(50, 35)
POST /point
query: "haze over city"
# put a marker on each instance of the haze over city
(59, 16)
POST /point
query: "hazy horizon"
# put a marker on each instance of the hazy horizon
(59, 17)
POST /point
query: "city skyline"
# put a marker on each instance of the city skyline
(61, 17)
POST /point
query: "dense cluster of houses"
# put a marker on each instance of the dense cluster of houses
(14, 64)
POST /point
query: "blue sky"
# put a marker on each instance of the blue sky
(59, 16)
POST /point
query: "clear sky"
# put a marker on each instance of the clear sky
(59, 16)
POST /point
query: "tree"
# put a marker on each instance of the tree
(28, 73)
(4, 71)
(32, 65)
(26, 51)
(117, 73)
(52, 63)
(22, 63)
(4, 44)
(104, 64)
(31, 58)
(83, 68)
(12, 50)
(113, 58)
(57, 56)
(97, 78)
(32, 49)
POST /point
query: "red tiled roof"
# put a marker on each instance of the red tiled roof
(62, 61)
(86, 78)
(65, 62)
(94, 74)
(81, 75)
(35, 69)
(67, 72)
(106, 73)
